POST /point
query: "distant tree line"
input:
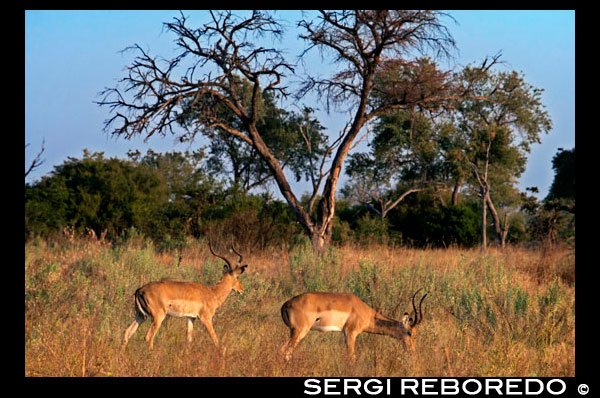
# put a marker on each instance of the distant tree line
(170, 196)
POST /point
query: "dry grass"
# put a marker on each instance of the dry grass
(503, 313)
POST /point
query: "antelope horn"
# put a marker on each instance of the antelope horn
(217, 255)
(236, 252)
(421, 302)
(416, 319)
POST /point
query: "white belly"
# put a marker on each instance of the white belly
(330, 321)
(326, 328)
(183, 309)
(178, 314)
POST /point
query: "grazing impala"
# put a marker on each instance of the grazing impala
(342, 312)
(184, 300)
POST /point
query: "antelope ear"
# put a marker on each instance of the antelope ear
(242, 268)
(406, 320)
(226, 269)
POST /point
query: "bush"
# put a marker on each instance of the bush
(370, 229)
(313, 272)
(422, 223)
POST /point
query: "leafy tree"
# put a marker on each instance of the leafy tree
(46, 206)
(191, 191)
(494, 137)
(96, 193)
(422, 221)
(563, 185)
(553, 219)
(404, 159)
(165, 196)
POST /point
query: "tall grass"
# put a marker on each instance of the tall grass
(503, 313)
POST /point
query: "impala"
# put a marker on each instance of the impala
(189, 300)
(328, 312)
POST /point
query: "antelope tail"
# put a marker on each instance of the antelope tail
(284, 314)
(141, 305)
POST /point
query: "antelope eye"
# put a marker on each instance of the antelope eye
(409, 333)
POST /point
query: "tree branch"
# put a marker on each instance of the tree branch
(37, 161)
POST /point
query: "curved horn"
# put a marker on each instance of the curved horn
(217, 255)
(238, 253)
(421, 302)
(416, 318)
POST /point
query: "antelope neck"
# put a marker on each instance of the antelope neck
(384, 325)
(223, 288)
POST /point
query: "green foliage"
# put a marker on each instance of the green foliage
(232, 158)
(422, 222)
(371, 229)
(169, 197)
(190, 193)
(255, 221)
(95, 193)
(368, 283)
(165, 197)
(341, 231)
(553, 219)
(563, 185)
(314, 272)
(404, 154)
(46, 206)
(476, 144)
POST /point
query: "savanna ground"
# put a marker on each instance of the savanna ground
(501, 313)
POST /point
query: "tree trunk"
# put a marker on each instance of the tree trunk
(326, 205)
(498, 227)
(483, 223)
(455, 192)
(304, 218)
(505, 230)
(320, 241)
(320, 234)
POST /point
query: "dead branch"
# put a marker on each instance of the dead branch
(37, 161)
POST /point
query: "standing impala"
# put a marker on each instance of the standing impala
(328, 312)
(189, 300)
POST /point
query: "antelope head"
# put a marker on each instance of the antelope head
(411, 323)
(229, 271)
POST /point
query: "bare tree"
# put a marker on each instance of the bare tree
(367, 45)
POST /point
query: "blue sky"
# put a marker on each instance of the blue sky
(70, 56)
